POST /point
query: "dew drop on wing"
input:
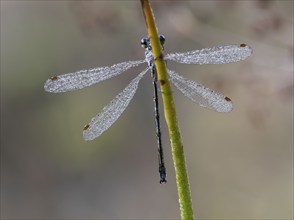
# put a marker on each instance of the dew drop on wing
(111, 112)
(84, 78)
(201, 95)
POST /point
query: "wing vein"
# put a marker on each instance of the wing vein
(112, 111)
(214, 55)
(201, 95)
(84, 78)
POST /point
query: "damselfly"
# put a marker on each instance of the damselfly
(195, 92)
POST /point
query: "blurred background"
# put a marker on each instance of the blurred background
(240, 164)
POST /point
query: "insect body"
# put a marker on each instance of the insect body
(197, 93)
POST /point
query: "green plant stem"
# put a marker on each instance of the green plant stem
(170, 116)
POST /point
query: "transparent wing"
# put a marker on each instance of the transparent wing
(83, 78)
(214, 55)
(201, 95)
(112, 111)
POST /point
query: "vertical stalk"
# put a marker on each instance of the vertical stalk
(170, 116)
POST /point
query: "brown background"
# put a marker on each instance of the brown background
(240, 164)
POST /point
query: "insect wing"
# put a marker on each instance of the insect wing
(214, 55)
(201, 95)
(112, 111)
(83, 78)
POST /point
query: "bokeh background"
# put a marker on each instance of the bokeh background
(240, 164)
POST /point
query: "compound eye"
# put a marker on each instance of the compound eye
(162, 39)
(144, 43)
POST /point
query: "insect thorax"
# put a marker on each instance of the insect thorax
(149, 57)
(145, 43)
